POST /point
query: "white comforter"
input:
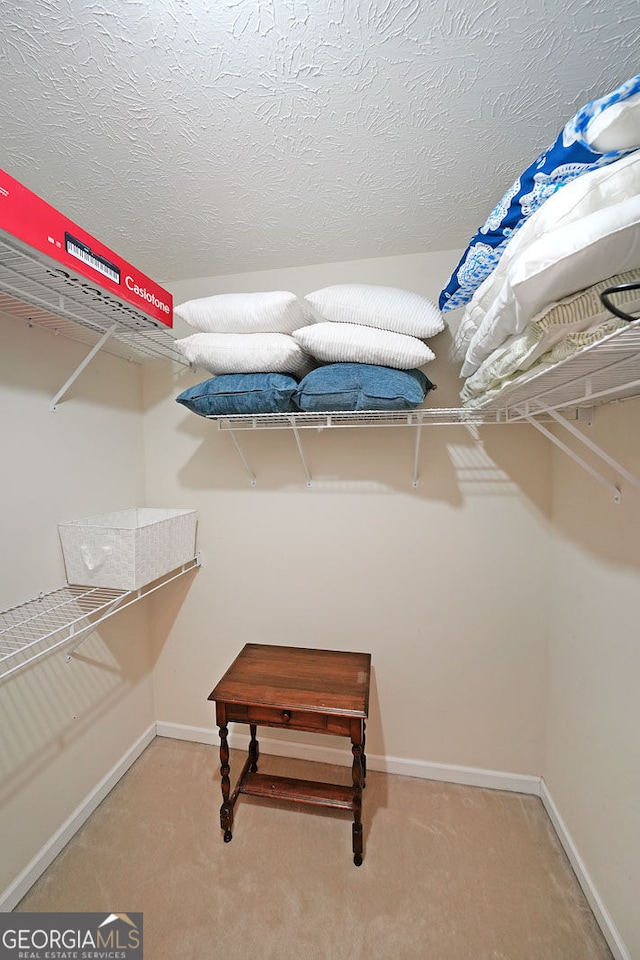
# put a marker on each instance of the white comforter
(588, 231)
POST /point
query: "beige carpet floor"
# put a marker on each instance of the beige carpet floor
(449, 873)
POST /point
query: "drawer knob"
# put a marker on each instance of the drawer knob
(286, 715)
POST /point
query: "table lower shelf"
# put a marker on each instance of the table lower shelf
(300, 791)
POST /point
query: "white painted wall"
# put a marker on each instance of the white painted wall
(363, 560)
(64, 725)
(592, 768)
(454, 587)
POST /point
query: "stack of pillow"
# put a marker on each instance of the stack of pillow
(570, 221)
(245, 340)
(345, 347)
(245, 333)
(370, 342)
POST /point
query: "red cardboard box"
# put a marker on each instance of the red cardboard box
(77, 256)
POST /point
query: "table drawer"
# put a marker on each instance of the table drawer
(275, 717)
(297, 719)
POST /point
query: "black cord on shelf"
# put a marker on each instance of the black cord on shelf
(618, 288)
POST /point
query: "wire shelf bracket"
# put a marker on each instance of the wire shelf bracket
(242, 455)
(533, 412)
(301, 453)
(416, 457)
(74, 376)
(590, 444)
(296, 422)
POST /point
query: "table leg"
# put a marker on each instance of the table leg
(364, 755)
(226, 810)
(357, 776)
(254, 749)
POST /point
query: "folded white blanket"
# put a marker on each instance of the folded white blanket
(567, 260)
(566, 325)
(573, 202)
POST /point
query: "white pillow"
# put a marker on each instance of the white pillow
(616, 128)
(276, 311)
(387, 308)
(586, 194)
(355, 343)
(245, 353)
(566, 260)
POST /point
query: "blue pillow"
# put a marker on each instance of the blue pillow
(568, 157)
(361, 386)
(233, 393)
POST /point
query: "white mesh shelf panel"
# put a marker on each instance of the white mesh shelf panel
(605, 371)
(36, 627)
(62, 617)
(43, 297)
(353, 418)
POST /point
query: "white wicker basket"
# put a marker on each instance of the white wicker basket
(129, 548)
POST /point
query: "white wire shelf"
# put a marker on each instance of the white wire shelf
(419, 418)
(351, 418)
(65, 617)
(604, 372)
(35, 290)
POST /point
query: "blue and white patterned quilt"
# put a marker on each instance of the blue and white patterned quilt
(568, 157)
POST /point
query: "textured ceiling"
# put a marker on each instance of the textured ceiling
(203, 137)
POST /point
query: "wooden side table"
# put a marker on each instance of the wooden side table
(322, 691)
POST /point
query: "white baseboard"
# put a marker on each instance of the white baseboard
(16, 890)
(606, 924)
(452, 773)
(181, 731)
(470, 776)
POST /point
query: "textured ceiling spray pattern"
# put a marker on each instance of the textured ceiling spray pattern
(233, 135)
